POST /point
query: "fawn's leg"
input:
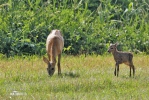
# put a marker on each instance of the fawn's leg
(58, 64)
(133, 68)
(130, 71)
(115, 70)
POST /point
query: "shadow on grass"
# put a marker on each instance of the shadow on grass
(71, 74)
(66, 74)
(132, 77)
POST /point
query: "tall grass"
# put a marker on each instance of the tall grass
(90, 77)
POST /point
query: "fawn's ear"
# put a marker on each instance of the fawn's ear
(111, 44)
(116, 43)
(45, 60)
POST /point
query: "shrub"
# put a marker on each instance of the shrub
(87, 27)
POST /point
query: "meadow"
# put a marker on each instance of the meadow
(88, 27)
(83, 78)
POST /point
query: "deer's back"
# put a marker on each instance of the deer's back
(123, 57)
(55, 40)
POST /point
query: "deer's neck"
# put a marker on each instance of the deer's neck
(115, 52)
(53, 55)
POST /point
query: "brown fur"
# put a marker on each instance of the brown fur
(121, 57)
(54, 47)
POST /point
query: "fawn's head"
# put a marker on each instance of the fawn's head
(51, 66)
(112, 47)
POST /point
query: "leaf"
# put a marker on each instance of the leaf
(130, 7)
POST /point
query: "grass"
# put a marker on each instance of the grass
(83, 78)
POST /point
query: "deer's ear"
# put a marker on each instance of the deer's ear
(45, 60)
(111, 44)
(116, 43)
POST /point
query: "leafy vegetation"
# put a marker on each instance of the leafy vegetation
(83, 78)
(87, 26)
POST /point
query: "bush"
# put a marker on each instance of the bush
(87, 27)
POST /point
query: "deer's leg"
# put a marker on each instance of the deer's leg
(117, 69)
(133, 69)
(130, 71)
(58, 64)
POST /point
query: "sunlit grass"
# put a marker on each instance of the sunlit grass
(83, 78)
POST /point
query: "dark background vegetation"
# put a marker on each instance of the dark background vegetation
(88, 26)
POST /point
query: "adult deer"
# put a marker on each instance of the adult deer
(54, 47)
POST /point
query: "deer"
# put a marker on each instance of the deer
(121, 57)
(54, 47)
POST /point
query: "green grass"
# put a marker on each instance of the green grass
(83, 78)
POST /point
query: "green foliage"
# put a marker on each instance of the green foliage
(88, 27)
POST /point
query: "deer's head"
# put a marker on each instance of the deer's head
(51, 66)
(112, 47)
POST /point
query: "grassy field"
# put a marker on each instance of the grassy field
(83, 78)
